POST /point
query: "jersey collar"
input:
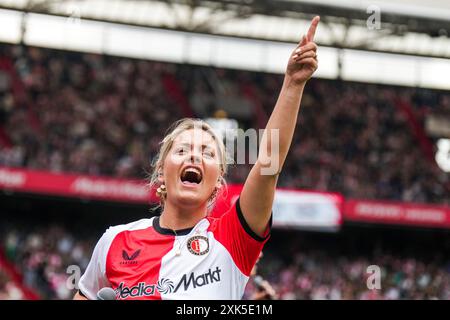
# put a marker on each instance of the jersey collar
(169, 232)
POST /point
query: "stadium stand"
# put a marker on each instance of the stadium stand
(95, 114)
(299, 265)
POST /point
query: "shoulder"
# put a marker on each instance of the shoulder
(233, 224)
(224, 216)
(113, 231)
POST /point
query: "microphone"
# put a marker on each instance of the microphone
(258, 280)
(265, 288)
(106, 294)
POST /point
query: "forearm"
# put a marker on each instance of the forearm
(259, 189)
(280, 128)
(258, 193)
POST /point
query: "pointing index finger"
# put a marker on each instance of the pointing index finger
(312, 28)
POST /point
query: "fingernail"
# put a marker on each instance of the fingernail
(295, 56)
(298, 50)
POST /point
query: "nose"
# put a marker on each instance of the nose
(195, 158)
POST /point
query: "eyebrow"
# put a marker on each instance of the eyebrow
(187, 144)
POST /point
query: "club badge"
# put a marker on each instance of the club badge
(198, 245)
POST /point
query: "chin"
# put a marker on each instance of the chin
(190, 199)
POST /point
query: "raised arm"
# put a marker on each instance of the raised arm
(259, 189)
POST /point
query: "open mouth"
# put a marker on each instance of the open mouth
(191, 175)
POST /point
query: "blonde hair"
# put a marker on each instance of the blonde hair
(172, 133)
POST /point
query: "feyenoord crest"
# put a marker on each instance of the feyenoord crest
(198, 245)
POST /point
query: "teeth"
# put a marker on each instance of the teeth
(193, 170)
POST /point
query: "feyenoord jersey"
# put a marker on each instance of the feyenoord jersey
(142, 260)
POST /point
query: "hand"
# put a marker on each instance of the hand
(265, 292)
(303, 60)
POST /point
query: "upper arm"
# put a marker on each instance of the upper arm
(233, 232)
(257, 198)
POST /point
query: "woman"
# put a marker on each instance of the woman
(184, 253)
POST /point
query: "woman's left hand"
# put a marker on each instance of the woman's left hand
(303, 60)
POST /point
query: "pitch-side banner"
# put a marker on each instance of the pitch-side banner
(292, 208)
(78, 186)
(397, 213)
(307, 210)
(296, 209)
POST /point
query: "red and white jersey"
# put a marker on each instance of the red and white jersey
(142, 260)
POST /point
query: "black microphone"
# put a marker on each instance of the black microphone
(106, 294)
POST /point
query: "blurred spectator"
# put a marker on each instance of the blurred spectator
(8, 290)
(257, 288)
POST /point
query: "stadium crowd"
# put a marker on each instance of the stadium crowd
(43, 256)
(301, 270)
(100, 115)
(412, 264)
(317, 275)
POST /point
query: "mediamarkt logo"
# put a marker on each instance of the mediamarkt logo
(199, 281)
(166, 286)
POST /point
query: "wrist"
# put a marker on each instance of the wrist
(290, 83)
(292, 88)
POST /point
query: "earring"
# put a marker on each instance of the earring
(161, 191)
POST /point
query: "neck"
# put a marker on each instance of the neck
(177, 218)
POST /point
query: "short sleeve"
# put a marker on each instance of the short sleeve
(94, 278)
(244, 245)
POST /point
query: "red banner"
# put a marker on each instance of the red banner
(290, 205)
(67, 185)
(397, 213)
(294, 208)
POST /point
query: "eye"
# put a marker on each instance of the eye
(181, 150)
(208, 153)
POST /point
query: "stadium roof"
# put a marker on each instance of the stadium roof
(407, 26)
(409, 47)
